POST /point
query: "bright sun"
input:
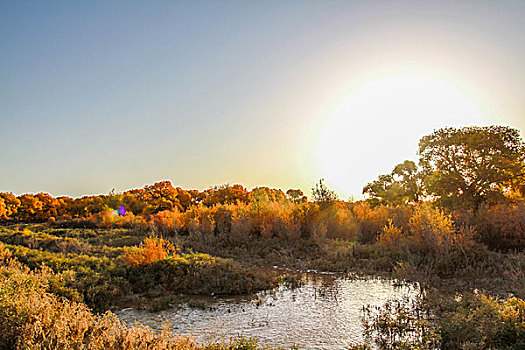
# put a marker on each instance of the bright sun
(380, 124)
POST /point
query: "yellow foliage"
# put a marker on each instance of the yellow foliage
(4, 253)
(391, 237)
(431, 228)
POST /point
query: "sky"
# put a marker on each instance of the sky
(96, 96)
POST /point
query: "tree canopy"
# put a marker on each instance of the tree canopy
(469, 166)
(401, 186)
(459, 168)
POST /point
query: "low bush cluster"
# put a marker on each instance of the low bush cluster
(430, 246)
(199, 274)
(108, 277)
(33, 318)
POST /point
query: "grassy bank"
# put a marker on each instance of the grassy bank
(101, 268)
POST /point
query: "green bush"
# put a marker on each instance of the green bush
(481, 322)
(197, 274)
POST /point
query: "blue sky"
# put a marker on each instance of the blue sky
(118, 94)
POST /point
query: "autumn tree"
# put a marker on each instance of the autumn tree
(184, 198)
(161, 196)
(30, 207)
(270, 194)
(469, 166)
(64, 206)
(113, 200)
(11, 204)
(187, 198)
(49, 206)
(3, 209)
(225, 194)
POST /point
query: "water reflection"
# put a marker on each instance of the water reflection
(324, 313)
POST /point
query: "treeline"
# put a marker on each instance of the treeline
(149, 200)
(476, 175)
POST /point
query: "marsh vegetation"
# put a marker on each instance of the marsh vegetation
(455, 226)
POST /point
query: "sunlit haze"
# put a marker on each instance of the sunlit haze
(380, 123)
(118, 94)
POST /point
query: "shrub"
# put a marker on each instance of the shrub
(167, 221)
(481, 322)
(431, 244)
(336, 221)
(373, 219)
(197, 274)
(502, 227)
(151, 250)
(109, 218)
(392, 239)
(4, 253)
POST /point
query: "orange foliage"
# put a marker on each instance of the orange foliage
(336, 221)
(151, 250)
(373, 219)
(391, 238)
(167, 221)
(430, 228)
(109, 219)
(11, 204)
(29, 208)
(226, 194)
(3, 208)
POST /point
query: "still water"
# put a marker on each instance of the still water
(324, 313)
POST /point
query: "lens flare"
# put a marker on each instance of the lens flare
(122, 210)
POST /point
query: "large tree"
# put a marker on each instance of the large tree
(469, 166)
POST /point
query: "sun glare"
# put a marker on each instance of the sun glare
(380, 123)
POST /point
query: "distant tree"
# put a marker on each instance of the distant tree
(225, 194)
(380, 190)
(161, 196)
(322, 195)
(30, 208)
(184, 198)
(410, 180)
(49, 206)
(134, 201)
(113, 200)
(11, 204)
(472, 165)
(65, 206)
(270, 194)
(3, 209)
(402, 186)
(296, 196)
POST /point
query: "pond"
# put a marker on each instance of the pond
(323, 313)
